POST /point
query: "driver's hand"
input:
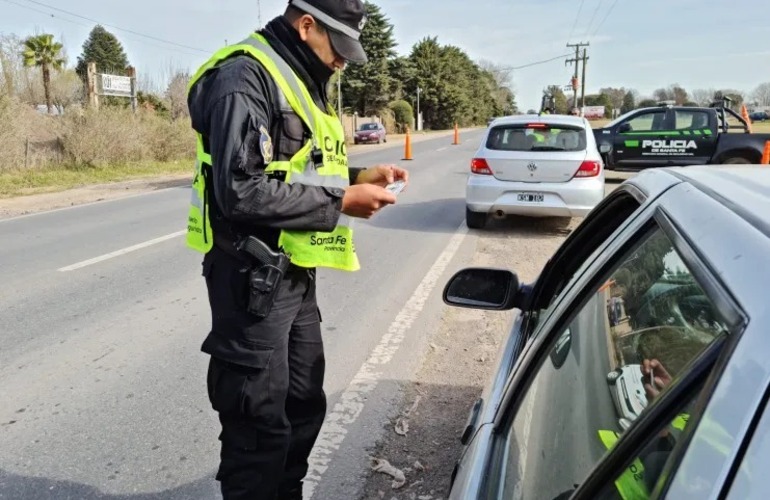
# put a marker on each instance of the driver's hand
(660, 377)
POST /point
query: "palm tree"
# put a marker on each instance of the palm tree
(41, 51)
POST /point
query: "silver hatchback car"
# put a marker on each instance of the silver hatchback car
(666, 282)
(541, 166)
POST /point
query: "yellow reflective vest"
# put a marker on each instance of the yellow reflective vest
(322, 161)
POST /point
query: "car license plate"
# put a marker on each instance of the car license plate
(531, 197)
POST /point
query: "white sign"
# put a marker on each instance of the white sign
(593, 111)
(112, 85)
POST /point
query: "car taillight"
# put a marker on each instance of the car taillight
(589, 169)
(480, 166)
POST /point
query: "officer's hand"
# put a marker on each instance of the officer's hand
(654, 371)
(382, 175)
(364, 200)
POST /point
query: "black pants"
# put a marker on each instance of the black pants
(271, 403)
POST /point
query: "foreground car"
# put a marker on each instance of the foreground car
(370, 132)
(681, 256)
(543, 166)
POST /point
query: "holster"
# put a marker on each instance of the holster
(266, 275)
(266, 271)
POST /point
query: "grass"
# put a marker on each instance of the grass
(21, 182)
(43, 180)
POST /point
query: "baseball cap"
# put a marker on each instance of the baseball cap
(344, 20)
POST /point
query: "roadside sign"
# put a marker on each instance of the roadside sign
(116, 85)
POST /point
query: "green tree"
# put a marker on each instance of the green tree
(42, 52)
(403, 114)
(601, 100)
(628, 103)
(560, 99)
(104, 49)
(366, 88)
(647, 103)
(616, 96)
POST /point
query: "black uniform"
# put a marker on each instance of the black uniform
(265, 376)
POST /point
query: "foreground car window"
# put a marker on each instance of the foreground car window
(625, 344)
(536, 137)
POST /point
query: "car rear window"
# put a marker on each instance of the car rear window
(536, 137)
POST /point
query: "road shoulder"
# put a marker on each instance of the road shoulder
(422, 438)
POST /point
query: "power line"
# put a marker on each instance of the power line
(46, 13)
(596, 11)
(609, 11)
(577, 17)
(534, 63)
(150, 37)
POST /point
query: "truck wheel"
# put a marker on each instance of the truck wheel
(737, 160)
(475, 220)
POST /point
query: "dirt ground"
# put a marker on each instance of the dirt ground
(460, 361)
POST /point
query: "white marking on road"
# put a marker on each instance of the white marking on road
(442, 149)
(123, 251)
(88, 204)
(348, 409)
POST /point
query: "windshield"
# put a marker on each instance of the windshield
(536, 137)
(368, 126)
(619, 119)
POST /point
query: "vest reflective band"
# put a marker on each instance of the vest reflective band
(200, 237)
(333, 249)
(630, 484)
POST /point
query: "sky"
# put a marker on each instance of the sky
(634, 44)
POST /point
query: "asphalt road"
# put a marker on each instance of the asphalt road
(103, 310)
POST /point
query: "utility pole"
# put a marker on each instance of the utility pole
(576, 60)
(419, 122)
(583, 83)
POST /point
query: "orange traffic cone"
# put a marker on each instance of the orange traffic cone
(408, 146)
(457, 136)
(766, 154)
(745, 115)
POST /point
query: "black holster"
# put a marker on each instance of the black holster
(266, 271)
(266, 275)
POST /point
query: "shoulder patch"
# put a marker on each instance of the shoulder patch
(265, 144)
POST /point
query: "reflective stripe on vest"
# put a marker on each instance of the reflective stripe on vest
(630, 484)
(333, 249)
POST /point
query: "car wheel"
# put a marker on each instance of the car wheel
(475, 220)
(736, 161)
(612, 377)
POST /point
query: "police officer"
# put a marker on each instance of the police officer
(272, 166)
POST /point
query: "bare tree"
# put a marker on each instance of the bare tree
(176, 95)
(616, 96)
(11, 63)
(761, 94)
(703, 97)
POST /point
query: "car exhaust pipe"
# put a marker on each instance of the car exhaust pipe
(499, 214)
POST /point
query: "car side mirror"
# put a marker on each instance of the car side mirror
(484, 288)
(605, 148)
(626, 127)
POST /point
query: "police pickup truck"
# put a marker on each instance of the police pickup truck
(678, 136)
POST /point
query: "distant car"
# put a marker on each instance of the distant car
(759, 116)
(370, 132)
(686, 249)
(542, 166)
(628, 394)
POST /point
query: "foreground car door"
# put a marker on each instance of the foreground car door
(604, 399)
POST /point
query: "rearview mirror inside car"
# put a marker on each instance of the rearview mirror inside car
(483, 288)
